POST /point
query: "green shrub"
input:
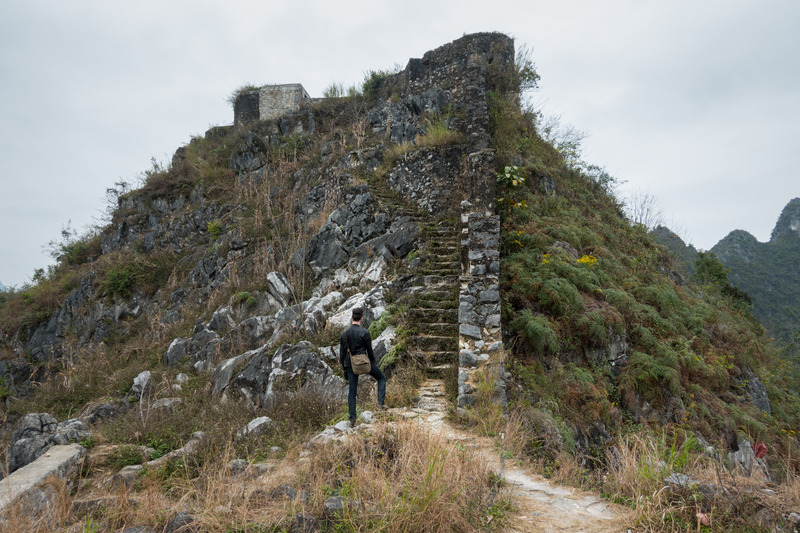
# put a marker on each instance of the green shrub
(215, 229)
(245, 298)
(560, 297)
(374, 80)
(380, 324)
(536, 330)
(120, 281)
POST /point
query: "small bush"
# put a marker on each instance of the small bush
(536, 330)
(560, 297)
(215, 229)
(120, 281)
(374, 80)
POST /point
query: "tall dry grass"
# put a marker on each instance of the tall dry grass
(398, 477)
(717, 498)
(403, 478)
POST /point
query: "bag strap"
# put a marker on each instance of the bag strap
(347, 342)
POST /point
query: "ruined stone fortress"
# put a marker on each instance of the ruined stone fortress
(268, 102)
(457, 180)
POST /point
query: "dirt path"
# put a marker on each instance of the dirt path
(542, 505)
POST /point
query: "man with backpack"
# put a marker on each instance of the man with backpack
(353, 341)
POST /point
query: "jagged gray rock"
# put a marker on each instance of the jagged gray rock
(141, 384)
(37, 433)
(758, 394)
(302, 363)
(105, 411)
(257, 426)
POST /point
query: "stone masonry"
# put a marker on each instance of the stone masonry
(268, 102)
(480, 335)
(461, 69)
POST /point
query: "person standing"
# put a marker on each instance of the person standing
(357, 338)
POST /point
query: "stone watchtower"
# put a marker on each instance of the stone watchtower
(268, 102)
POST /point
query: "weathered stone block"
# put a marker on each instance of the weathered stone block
(467, 358)
(470, 331)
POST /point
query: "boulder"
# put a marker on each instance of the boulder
(758, 394)
(280, 288)
(35, 425)
(222, 320)
(105, 411)
(300, 367)
(253, 378)
(221, 376)
(257, 426)
(183, 523)
(141, 384)
(177, 351)
(36, 433)
(126, 477)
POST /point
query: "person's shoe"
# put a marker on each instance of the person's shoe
(352, 423)
(382, 408)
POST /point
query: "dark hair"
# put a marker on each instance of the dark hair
(357, 314)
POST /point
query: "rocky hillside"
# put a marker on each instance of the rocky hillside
(200, 327)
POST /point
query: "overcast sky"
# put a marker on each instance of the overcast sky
(695, 103)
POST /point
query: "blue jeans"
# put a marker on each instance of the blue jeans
(352, 382)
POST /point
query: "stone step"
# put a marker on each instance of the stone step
(435, 343)
(439, 371)
(60, 461)
(447, 249)
(433, 280)
(434, 358)
(440, 329)
(444, 261)
(437, 304)
(441, 241)
(434, 271)
(433, 315)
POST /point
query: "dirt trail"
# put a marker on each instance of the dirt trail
(542, 505)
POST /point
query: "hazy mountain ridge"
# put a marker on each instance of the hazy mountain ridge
(769, 272)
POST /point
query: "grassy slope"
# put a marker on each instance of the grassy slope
(689, 343)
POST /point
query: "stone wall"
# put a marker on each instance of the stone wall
(269, 102)
(276, 100)
(245, 108)
(480, 334)
(463, 72)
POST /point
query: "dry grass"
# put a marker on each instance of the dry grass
(397, 477)
(404, 479)
(727, 499)
(438, 134)
(486, 415)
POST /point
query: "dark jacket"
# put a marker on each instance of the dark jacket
(360, 342)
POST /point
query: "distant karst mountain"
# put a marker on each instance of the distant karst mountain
(768, 271)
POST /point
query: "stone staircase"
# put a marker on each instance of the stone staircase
(432, 311)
